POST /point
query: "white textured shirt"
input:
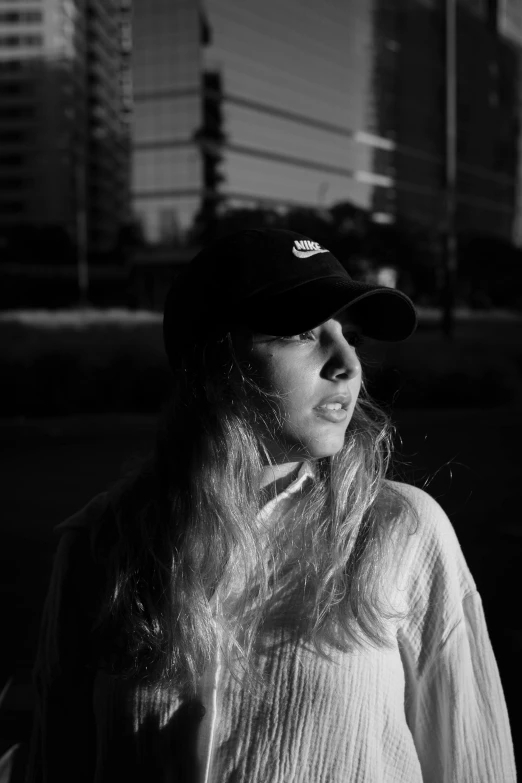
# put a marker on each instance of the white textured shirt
(430, 709)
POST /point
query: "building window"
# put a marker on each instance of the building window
(13, 183)
(9, 17)
(16, 112)
(12, 137)
(11, 207)
(11, 160)
(10, 66)
(11, 41)
(15, 88)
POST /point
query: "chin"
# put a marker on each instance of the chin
(324, 449)
(308, 445)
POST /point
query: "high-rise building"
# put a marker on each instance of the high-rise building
(167, 81)
(319, 103)
(409, 88)
(296, 78)
(242, 104)
(64, 130)
(108, 121)
(510, 28)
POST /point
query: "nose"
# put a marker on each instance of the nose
(343, 363)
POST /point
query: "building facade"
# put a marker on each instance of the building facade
(167, 92)
(64, 129)
(312, 104)
(409, 88)
(108, 122)
(238, 105)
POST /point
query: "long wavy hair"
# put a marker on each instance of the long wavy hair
(194, 568)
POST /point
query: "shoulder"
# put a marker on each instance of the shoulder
(434, 580)
(78, 533)
(430, 522)
(86, 517)
(98, 528)
(74, 568)
(86, 540)
(432, 550)
(425, 506)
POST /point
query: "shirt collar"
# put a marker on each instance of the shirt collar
(306, 473)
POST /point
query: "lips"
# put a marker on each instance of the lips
(334, 401)
(334, 408)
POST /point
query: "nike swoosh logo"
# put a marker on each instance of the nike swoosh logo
(307, 253)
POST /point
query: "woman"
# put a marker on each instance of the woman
(259, 602)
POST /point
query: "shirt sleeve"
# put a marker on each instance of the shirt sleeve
(454, 701)
(63, 736)
(461, 726)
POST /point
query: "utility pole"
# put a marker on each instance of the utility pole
(450, 168)
(81, 234)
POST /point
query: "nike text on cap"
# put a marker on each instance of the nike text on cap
(278, 282)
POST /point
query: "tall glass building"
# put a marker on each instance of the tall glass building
(167, 79)
(510, 28)
(322, 102)
(409, 83)
(108, 121)
(24, 39)
(64, 128)
(290, 83)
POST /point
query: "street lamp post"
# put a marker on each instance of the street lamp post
(81, 234)
(450, 168)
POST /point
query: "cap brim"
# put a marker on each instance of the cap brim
(383, 313)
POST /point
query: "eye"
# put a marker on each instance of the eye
(301, 337)
(354, 338)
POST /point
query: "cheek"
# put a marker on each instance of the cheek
(281, 374)
(295, 386)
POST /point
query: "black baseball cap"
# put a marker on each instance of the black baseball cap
(278, 282)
